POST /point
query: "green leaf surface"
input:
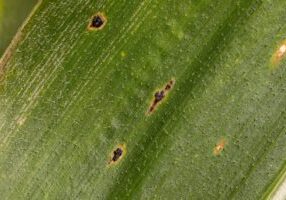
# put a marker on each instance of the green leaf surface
(12, 15)
(71, 96)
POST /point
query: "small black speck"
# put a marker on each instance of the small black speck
(97, 22)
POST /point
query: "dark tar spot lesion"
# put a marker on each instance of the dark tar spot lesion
(117, 154)
(97, 22)
(169, 85)
(160, 95)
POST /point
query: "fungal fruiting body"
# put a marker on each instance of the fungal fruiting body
(97, 22)
(117, 154)
(219, 147)
(160, 95)
(279, 54)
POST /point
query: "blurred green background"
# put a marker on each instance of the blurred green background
(12, 15)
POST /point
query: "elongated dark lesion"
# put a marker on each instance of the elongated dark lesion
(97, 21)
(160, 95)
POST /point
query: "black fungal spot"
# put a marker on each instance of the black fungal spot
(159, 96)
(97, 22)
(169, 85)
(117, 154)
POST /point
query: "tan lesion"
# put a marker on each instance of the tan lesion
(279, 54)
(219, 147)
(160, 95)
